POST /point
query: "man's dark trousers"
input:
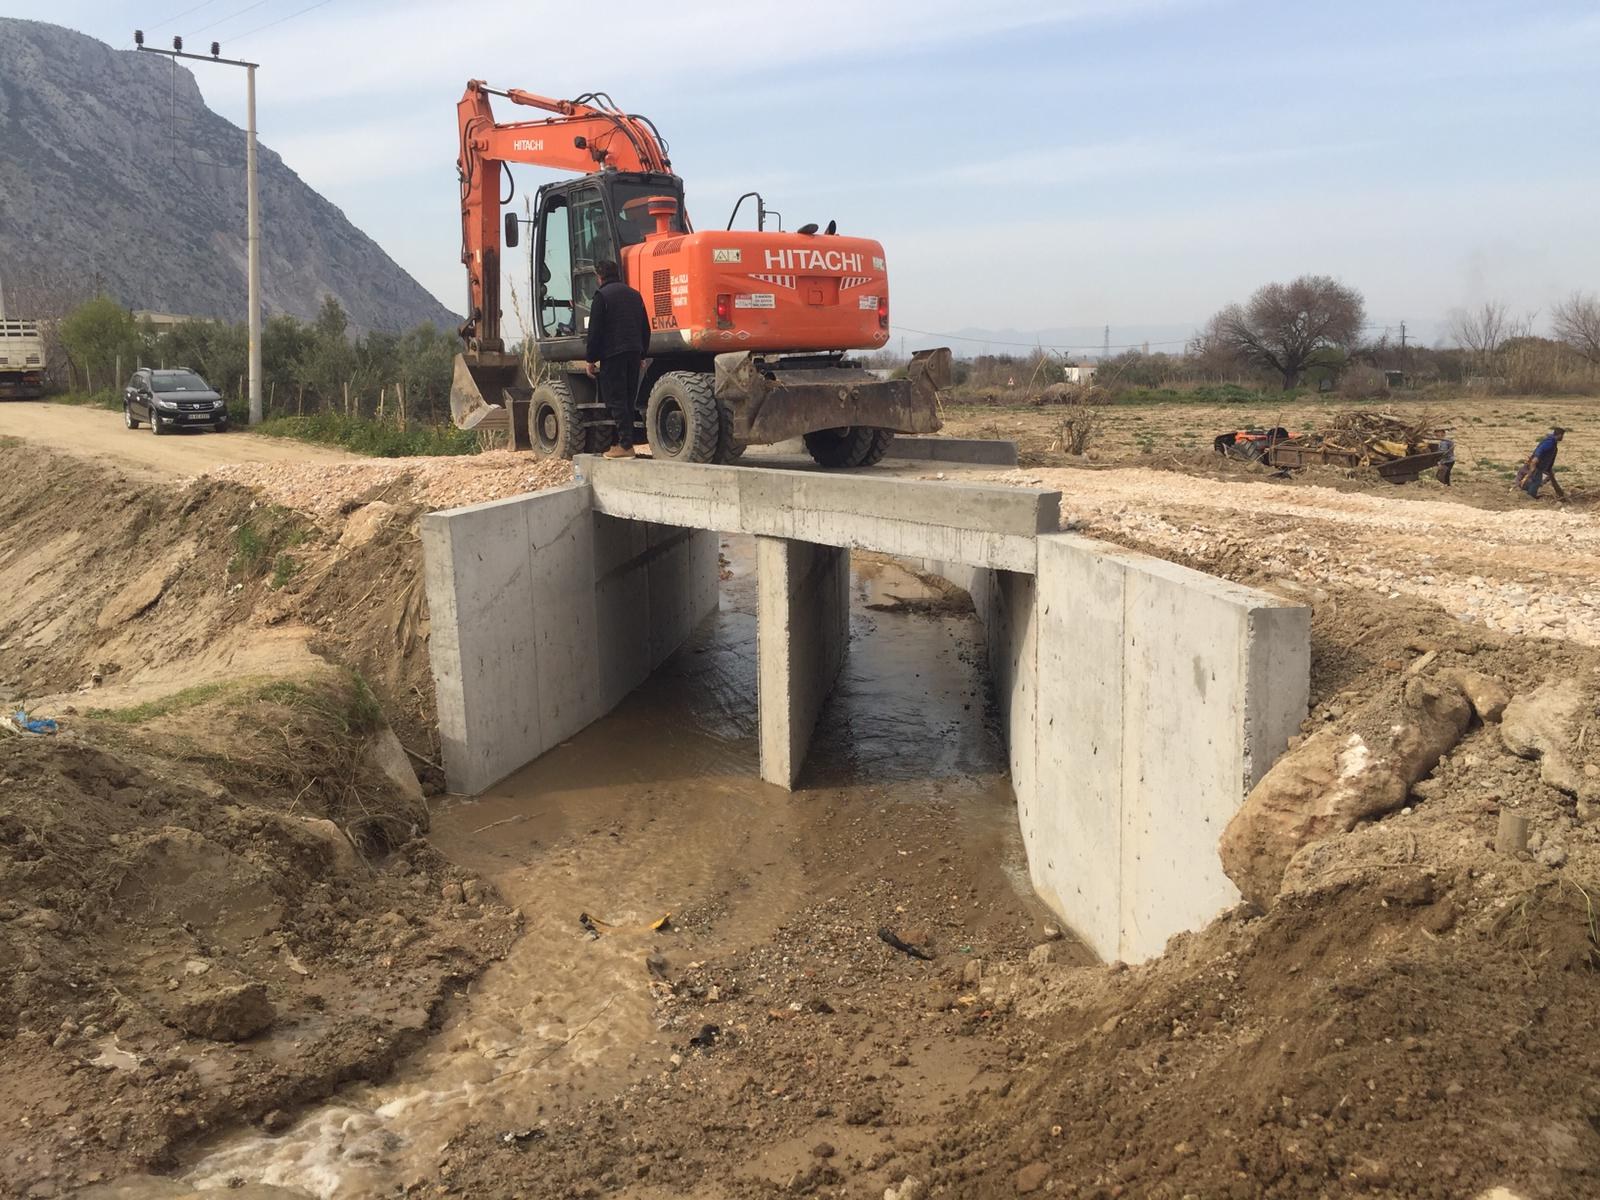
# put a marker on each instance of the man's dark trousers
(619, 385)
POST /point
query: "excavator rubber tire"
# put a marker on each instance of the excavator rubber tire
(849, 446)
(683, 421)
(554, 426)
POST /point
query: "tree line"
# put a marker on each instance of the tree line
(1313, 331)
(306, 367)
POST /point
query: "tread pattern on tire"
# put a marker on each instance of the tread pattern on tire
(707, 431)
(570, 438)
(858, 446)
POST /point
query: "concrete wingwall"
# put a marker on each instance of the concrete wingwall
(545, 614)
(1142, 701)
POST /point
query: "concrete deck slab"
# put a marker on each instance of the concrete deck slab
(980, 525)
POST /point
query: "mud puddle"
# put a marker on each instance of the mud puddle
(657, 812)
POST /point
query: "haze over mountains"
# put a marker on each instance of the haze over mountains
(115, 176)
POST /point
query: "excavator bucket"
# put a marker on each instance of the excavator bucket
(478, 398)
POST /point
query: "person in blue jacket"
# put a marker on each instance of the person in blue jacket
(1541, 467)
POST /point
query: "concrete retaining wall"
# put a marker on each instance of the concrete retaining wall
(803, 629)
(1141, 701)
(544, 615)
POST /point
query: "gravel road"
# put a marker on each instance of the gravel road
(98, 434)
(1534, 569)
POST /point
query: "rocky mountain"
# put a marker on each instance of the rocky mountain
(115, 176)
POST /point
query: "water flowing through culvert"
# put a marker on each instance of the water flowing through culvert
(656, 808)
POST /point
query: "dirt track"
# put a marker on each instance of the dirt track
(98, 434)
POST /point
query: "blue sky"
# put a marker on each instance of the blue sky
(1028, 166)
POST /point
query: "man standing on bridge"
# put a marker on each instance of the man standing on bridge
(619, 335)
(1541, 466)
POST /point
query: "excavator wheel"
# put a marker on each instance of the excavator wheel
(554, 427)
(683, 421)
(849, 445)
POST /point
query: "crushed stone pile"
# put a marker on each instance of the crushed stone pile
(323, 490)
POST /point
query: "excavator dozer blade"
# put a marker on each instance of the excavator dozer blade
(477, 392)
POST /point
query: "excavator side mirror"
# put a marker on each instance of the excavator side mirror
(513, 231)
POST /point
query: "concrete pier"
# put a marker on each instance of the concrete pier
(803, 627)
(1141, 700)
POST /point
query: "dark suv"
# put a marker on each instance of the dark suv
(176, 399)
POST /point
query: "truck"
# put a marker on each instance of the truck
(752, 330)
(21, 360)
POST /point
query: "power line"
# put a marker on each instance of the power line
(302, 12)
(183, 14)
(241, 12)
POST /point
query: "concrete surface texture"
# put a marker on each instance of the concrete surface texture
(1142, 701)
(544, 615)
(803, 629)
(987, 451)
(987, 526)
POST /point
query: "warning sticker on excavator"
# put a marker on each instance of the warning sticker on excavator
(869, 302)
(726, 256)
(762, 300)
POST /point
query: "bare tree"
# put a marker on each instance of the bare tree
(1286, 326)
(1481, 330)
(1576, 321)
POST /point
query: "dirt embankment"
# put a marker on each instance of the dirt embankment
(1412, 1014)
(216, 900)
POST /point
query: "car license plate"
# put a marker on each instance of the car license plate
(199, 416)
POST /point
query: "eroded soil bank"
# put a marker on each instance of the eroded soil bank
(1412, 1015)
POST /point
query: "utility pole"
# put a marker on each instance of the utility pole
(1105, 350)
(252, 201)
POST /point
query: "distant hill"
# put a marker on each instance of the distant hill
(115, 176)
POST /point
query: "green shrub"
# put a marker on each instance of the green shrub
(363, 435)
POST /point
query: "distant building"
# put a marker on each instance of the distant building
(1080, 374)
(165, 322)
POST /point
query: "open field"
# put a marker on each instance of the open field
(1493, 436)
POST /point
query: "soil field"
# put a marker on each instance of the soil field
(1493, 436)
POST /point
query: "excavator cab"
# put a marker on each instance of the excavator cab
(579, 224)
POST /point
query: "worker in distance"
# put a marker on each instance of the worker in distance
(1541, 466)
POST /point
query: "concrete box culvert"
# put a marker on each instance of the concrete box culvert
(1140, 699)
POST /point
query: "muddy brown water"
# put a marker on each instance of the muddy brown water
(656, 809)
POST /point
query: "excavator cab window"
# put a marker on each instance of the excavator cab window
(553, 285)
(591, 244)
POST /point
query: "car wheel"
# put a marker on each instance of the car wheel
(128, 419)
(157, 425)
(220, 426)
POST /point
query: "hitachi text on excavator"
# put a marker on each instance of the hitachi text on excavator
(751, 329)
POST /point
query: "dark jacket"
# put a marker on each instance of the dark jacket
(617, 323)
(1544, 454)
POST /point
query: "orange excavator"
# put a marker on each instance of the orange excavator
(751, 328)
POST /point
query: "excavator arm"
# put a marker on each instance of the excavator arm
(586, 135)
